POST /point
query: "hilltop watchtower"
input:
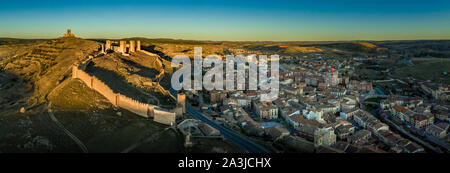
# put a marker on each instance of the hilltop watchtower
(69, 34)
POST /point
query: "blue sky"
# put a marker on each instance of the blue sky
(280, 20)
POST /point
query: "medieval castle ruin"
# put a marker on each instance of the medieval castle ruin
(158, 114)
(122, 46)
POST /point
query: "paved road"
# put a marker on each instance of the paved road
(439, 142)
(250, 146)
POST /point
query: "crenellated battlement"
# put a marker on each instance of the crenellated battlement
(122, 46)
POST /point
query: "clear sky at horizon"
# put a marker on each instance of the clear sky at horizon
(250, 20)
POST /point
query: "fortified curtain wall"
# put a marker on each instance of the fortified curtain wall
(119, 100)
(152, 54)
(160, 63)
(160, 75)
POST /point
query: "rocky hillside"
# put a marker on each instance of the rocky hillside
(41, 67)
(33, 75)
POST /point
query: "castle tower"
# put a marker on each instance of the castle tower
(69, 34)
(103, 48)
(181, 99)
(138, 45)
(108, 45)
(132, 46)
(122, 47)
(187, 140)
(151, 111)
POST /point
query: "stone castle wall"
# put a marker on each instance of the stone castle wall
(160, 75)
(95, 84)
(152, 54)
(161, 62)
(122, 101)
(134, 106)
(164, 117)
(104, 90)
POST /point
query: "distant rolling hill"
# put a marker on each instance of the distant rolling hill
(358, 46)
(43, 65)
(9, 41)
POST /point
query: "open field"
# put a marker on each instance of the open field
(426, 69)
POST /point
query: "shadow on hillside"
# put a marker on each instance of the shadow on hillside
(120, 85)
(166, 82)
(159, 53)
(13, 88)
(144, 71)
(116, 82)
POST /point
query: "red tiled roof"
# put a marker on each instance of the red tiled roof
(302, 120)
(251, 93)
(400, 108)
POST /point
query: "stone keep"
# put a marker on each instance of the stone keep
(132, 46)
(138, 45)
(103, 48)
(69, 34)
(122, 47)
(108, 45)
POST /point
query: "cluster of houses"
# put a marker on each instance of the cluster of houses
(437, 91)
(320, 107)
(430, 118)
(433, 119)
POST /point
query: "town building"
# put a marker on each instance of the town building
(399, 111)
(265, 110)
(304, 127)
(437, 91)
(324, 136)
(348, 114)
(438, 130)
(363, 118)
(419, 121)
(217, 96)
(360, 137)
(331, 77)
(363, 86)
(343, 132)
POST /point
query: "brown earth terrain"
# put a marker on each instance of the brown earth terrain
(35, 73)
(42, 109)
